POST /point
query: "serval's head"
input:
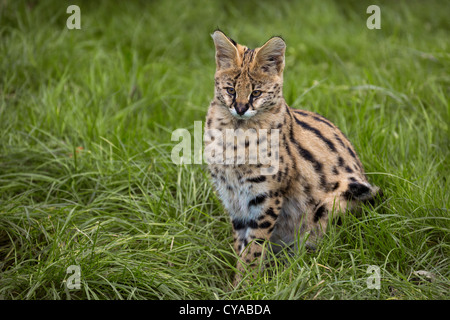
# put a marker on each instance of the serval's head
(248, 82)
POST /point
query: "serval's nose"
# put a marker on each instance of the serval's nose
(241, 108)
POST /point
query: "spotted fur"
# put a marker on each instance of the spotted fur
(319, 172)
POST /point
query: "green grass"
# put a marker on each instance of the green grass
(141, 227)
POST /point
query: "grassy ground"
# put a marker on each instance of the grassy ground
(86, 118)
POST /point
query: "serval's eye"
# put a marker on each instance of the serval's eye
(231, 91)
(256, 93)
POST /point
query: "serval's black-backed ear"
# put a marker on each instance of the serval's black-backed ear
(270, 57)
(226, 51)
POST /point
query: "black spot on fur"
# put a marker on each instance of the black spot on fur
(351, 152)
(257, 179)
(239, 224)
(252, 224)
(271, 213)
(265, 225)
(257, 200)
(356, 191)
(324, 183)
(339, 140)
(335, 186)
(319, 213)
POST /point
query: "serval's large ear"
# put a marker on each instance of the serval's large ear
(270, 57)
(227, 55)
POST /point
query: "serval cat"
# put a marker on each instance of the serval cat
(318, 173)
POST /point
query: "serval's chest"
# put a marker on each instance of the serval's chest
(241, 188)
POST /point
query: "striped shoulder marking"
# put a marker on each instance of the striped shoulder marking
(317, 132)
(315, 116)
